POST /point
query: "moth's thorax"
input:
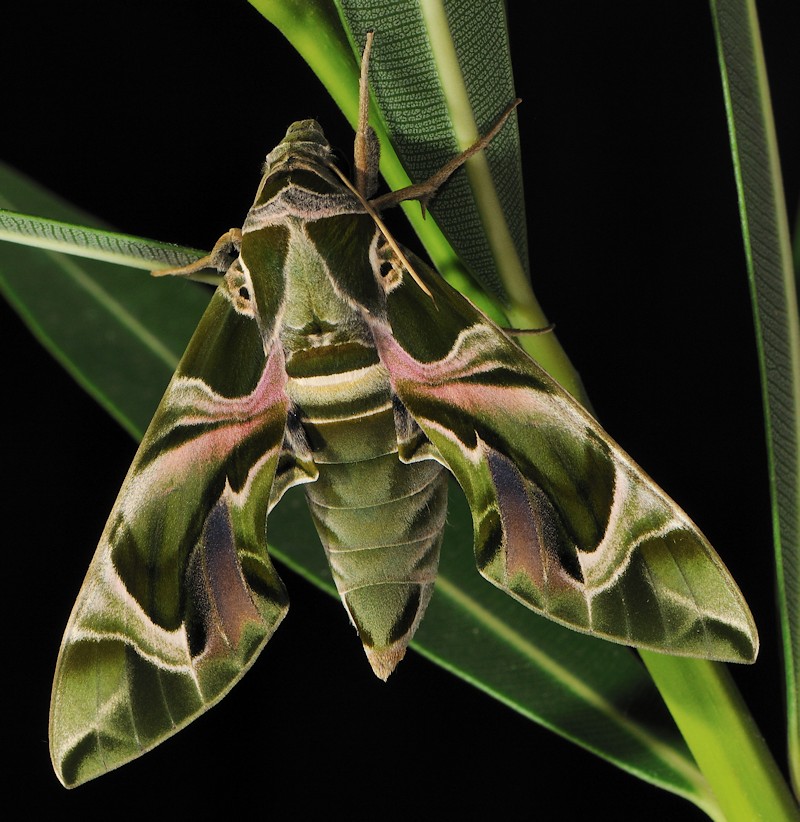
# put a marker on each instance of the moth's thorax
(327, 274)
(315, 314)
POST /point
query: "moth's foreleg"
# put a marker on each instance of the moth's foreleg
(425, 190)
(367, 149)
(225, 251)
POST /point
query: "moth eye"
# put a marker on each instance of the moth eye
(238, 289)
(391, 275)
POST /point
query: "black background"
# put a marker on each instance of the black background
(156, 117)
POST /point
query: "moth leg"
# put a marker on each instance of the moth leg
(225, 251)
(530, 332)
(367, 149)
(413, 444)
(296, 464)
(424, 191)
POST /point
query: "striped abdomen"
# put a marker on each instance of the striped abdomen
(380, 520)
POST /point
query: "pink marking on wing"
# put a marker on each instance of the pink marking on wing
(522, 548)
(444, 379)
(242, 417)
(522, 514)
(198, 396)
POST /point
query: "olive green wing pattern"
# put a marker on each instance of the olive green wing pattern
(564, 520)
(322, 359)
(181, 595)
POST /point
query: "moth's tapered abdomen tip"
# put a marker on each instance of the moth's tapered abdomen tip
(386, 614)
(384, 660)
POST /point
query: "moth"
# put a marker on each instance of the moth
(330, 357)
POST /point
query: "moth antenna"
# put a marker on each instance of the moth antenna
(225, 251)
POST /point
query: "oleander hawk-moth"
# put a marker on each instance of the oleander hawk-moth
(329, 357)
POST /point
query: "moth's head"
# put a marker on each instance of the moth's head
(303, 139)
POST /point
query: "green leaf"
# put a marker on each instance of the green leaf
(767, 243)
(723, 738)
(114, 329)
(91, 243)
(590, 691)
(441, 75)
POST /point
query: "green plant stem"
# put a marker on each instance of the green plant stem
(723, 738)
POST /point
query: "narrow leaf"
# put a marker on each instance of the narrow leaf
(767, 243)
(723, 738)
(91, 243)
(461, 61)
(114, 329)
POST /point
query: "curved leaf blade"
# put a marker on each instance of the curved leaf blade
(771, 275)
(92, 243)
(460, 60)
(118, 334)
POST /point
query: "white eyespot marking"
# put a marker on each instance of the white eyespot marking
(391, 276)
(388, 269)
(239, 289)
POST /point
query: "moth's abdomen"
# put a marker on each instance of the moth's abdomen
(384, 555)
(379, 519)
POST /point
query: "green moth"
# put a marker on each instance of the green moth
(332, 358)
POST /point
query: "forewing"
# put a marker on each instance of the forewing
(181, 595)
(564, 520)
